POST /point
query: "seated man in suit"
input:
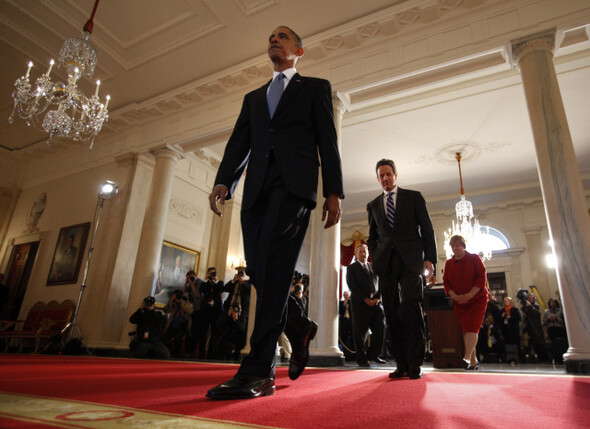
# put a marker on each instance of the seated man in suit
(366, 308)
(490, 344)
(283, 131)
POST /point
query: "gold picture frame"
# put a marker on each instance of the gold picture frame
(68, 254)
(175, 262)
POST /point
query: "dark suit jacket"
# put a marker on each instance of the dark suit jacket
(412, 235)
(244, 297)
(359, 281)
(210, 291)
(302, 126)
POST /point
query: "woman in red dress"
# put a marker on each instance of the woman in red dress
(464, 279)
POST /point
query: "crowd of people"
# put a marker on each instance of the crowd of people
(198, 322)
(525, 334)
(492, 332)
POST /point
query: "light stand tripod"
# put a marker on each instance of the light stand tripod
(107, 190)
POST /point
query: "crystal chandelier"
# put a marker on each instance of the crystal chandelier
(61, 109)
(468, 226)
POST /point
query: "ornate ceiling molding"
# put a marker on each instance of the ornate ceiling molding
(373, 48)
(186, 210)
(371, 30)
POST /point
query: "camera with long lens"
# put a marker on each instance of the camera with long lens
(192, 278)
(241, 273)
(149, 301)
(522, 296)
(211, 275)
(305, 280)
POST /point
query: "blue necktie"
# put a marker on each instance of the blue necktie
(390, 209)
(274, 93)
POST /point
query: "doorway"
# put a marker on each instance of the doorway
(497, 285)
(20, 266)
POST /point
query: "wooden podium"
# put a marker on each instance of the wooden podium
(446, 338)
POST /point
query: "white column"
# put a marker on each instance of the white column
(153, 229)
(324, 278)
(535, 248)
(563, 193)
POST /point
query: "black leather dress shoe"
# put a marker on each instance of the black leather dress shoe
(364, 364)
(398, 373)
(415, 373)
(379, 360)
(300, 355)
(243, 387)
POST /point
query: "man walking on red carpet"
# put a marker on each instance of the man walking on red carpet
(403, 247)
(283, 130)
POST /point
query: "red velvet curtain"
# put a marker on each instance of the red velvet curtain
(347, 252)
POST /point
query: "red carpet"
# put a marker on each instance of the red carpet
(101, 392)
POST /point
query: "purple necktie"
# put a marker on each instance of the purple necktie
(390, 209)
(274, 93)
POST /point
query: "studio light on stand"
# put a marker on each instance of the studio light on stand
(106, 191)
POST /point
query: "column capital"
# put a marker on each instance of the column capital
(341, 104)
(532, 230)
(165, 151)
(10, 191)
(133, 158)
(544, 41)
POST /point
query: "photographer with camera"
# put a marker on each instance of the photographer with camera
(554, 322)
(298, 295)
(511, 329)
(210, 291)
(191, 291)
(179, 322)
(533, 325)
(147, 336)
(232, 324)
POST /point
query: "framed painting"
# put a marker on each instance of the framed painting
(175, 262)
(68, 254)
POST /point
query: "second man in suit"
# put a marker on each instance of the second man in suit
(403, 248)
(366, 308)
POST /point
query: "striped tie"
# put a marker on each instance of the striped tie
(390, 209)
(274, 93)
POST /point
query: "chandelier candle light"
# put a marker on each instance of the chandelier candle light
(70, 113)
(468, 226)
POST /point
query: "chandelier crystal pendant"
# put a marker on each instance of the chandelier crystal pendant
(467, 226)
(62, 109)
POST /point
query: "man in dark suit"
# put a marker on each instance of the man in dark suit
(232, 324)
(403, 248)
(366, 308)
(210, 291)
(284, 129)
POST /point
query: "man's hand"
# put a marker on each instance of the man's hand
(430, 281)
(371, 302)
(218, 194)
(332, 210)
(428, 269)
